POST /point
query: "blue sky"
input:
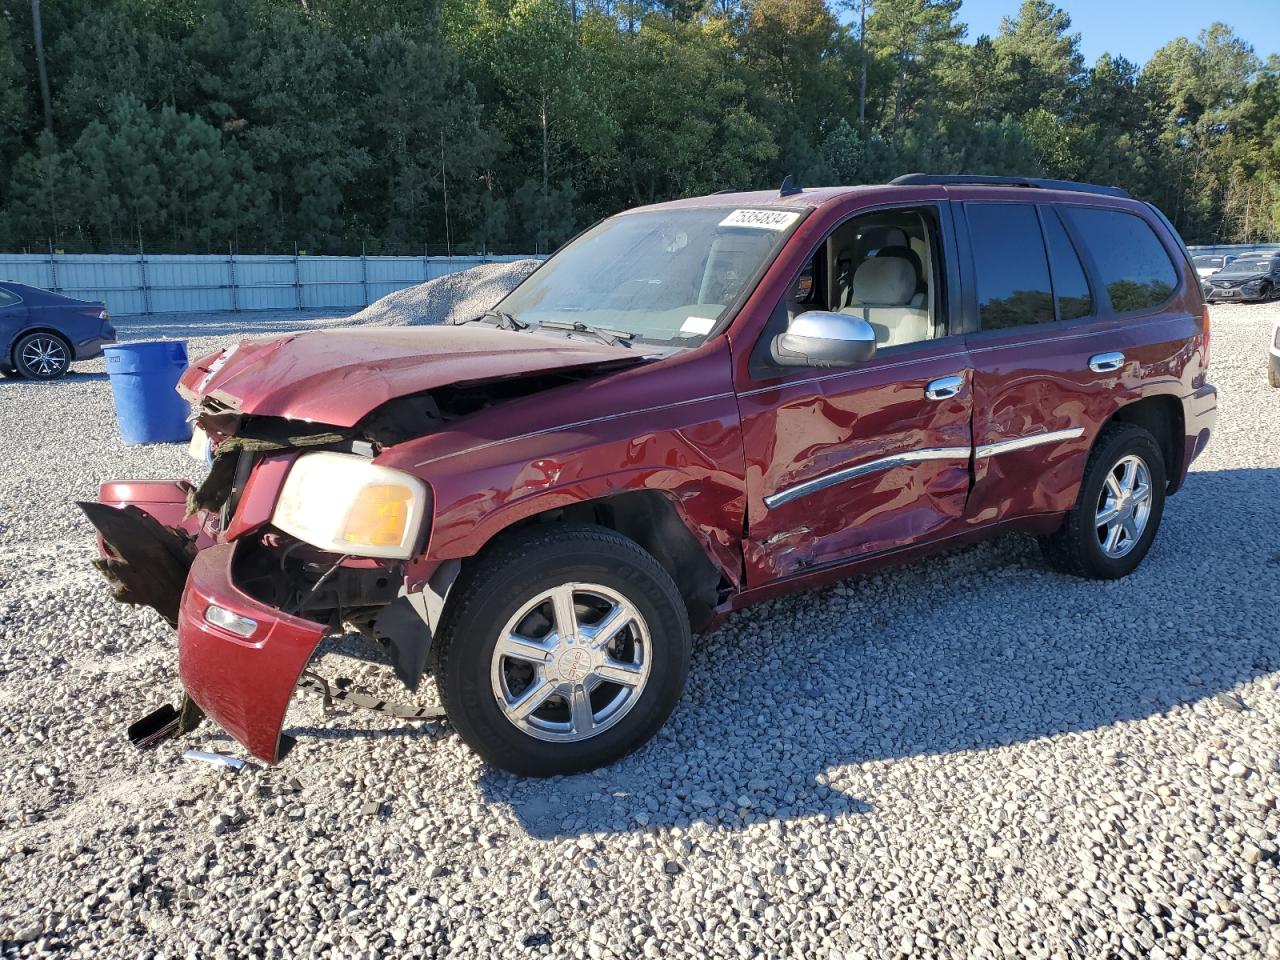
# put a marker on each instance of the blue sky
(1137, 28)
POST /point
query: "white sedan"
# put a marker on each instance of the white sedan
(1209, 264)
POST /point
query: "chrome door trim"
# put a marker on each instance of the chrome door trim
(1106, 362)
(788, 494)
(1025, 443)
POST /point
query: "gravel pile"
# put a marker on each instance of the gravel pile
(967, 757)
(455, 296)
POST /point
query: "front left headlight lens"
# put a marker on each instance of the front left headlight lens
(345, 504)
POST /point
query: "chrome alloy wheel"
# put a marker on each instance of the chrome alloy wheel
(571, 663)
(44, 355)
(1124, 506)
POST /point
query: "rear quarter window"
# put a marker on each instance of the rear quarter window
(8, 299)
(1132, 262)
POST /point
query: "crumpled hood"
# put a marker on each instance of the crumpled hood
(338, 376)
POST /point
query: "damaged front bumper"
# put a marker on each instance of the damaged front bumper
(242, 645)
(242, 682)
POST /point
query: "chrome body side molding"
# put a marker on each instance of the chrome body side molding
(788, 494)
(1025, 443)
(861, 470)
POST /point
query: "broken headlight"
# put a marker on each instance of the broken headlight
(345, 504)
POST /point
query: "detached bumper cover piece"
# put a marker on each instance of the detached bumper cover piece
(243, 683)
(145, 561)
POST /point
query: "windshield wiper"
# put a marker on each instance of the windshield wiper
(612, 337)
(505, 321)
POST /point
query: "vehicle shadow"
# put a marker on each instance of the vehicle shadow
(790, 706)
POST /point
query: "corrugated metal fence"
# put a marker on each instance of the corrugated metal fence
(158, 283)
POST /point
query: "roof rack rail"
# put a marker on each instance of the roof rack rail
(975, 180)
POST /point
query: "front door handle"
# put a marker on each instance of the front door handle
(1106, 362)
(944, 387)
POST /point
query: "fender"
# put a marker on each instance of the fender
(686, 465)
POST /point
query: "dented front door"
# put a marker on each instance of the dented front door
(851, 462)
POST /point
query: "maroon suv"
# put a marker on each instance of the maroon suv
(692, 407)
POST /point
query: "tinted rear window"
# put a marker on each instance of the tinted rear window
(1013, 274)
(1132, 261)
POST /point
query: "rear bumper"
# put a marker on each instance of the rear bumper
(1199, 413)
(92, 347)
(243, 684)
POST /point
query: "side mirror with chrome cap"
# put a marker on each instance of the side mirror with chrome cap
(819, 338)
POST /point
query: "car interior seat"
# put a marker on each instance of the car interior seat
(848, 253)
(884, 291)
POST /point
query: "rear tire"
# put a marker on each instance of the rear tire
(1115, 519)
(563, 649)
(42, 356)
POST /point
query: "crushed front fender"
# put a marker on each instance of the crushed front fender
(243, 683)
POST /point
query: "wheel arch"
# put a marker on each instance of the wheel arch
(1162, 416)
(652, 519)
(40, 328)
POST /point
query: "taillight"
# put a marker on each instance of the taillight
(1276, 341)
(1204, 361)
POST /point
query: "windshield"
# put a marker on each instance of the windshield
(666, 276)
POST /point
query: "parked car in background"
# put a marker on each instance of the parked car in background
(1209, 264)
(1245, 280)
(692, 407)
(42, 333)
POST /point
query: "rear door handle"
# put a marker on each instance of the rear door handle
(944, 387)
(1106, 362)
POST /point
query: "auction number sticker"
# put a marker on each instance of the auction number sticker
(761, 219)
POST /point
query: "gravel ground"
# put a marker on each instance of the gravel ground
(455, 296)
(966, 757)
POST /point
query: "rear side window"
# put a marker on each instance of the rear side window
(7, 299)
(1013, 274)
(1070, 288)
(1131, 260)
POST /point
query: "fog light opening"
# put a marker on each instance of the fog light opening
(221, 617)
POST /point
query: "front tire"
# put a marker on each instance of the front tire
(1115, 519)
(564, 649)
(42, 356)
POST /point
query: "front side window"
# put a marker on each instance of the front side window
(1133, 263)
(1013, 273)
(881, 267)
(666, 276)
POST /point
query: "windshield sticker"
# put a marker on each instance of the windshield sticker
(697, 325)
(761, 219)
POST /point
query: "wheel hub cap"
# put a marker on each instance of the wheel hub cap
(571, 663)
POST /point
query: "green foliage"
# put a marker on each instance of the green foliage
(406, 125)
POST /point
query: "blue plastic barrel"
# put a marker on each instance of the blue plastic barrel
(144, 375)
